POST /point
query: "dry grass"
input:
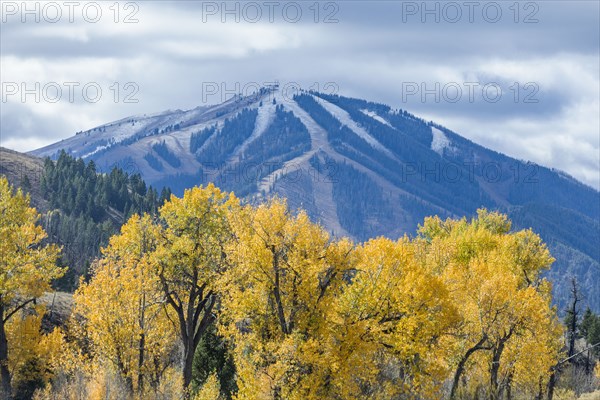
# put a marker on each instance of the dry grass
(58, 309)
(15, 166)
(590, 396)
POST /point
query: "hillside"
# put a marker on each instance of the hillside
(360, 168)
(80, 209)
(24, 171)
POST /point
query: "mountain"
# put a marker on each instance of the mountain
(361, 168)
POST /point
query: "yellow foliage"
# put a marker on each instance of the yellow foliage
(190, 260)
(315, 318)
(389, 322)
(27, 269)
(131, 329)
(508, 331)
(308, 316)
(211, 390)
(285, 272)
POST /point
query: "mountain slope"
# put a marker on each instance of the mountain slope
(24, 171)
(360, 168)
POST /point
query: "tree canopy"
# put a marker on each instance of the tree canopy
(262, 303)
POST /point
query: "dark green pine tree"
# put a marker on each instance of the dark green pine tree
(212, 355)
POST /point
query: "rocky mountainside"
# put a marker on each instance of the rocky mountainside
(361, 168)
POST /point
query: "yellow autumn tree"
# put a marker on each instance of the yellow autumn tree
(27, 266)
(388, 325)
(508, 335)
(190, 259)
(35, 356)
(123, 309)
(275, 297)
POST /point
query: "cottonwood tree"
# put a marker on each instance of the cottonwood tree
(504, 305)
(390, 325)
(27, 266)
(190, 259)
(123, 307)
(285, 273)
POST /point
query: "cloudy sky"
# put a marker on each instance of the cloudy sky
(518, 77)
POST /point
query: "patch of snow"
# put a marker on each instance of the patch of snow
(300, 163)
(439, 142)
(153, 115)
(125, 131)
(376, 117)
(318, 136)
(99, 148)
(266, 115)
(345, 119)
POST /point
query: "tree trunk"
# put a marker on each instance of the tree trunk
(195, 327)
(277, 293)
(461, 366)
(188, 362)
(124, 373)
(509, 387)
(572, 328)
(551, 384)
(191, 326)
(142, 346)
(495, 391)
(4, 372)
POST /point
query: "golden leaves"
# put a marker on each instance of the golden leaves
(131, 329)
(26, 266)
